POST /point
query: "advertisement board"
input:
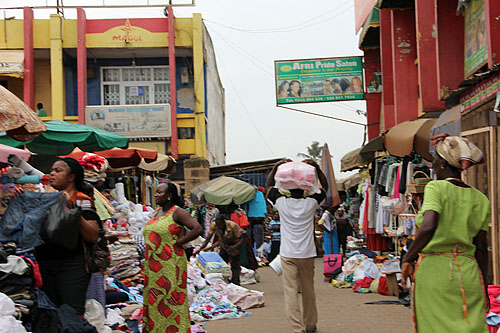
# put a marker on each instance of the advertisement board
(318, 80)
(476, 49)
(131, 121)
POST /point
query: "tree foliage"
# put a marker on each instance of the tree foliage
(314, 152)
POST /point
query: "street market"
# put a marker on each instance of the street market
(136, 195)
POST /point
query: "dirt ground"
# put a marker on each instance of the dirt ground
(339, 310)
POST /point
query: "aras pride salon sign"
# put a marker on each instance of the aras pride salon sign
(319, 80)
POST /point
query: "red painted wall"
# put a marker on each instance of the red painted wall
(493, 31)
(386, 65)
(371, 64)
(29, 59)
(404, 54)
(426, 19)
(150, 24)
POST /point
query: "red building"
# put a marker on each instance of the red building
(430, 56)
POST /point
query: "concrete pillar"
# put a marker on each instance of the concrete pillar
(56, 68)
(196, 172)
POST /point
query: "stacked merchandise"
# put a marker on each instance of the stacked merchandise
(367, 273)
(211, 262)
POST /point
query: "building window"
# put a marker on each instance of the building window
(135, 85)
(185, 132)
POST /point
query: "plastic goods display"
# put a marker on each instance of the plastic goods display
(296, 175)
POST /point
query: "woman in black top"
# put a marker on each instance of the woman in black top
(64, 272)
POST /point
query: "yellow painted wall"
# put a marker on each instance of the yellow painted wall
(42, 85)
(185, 122)
(186, 147)
(14, 34)
(41, 34)
(158, 146)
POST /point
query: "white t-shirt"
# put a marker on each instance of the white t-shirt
(329, 220)
(297, 225)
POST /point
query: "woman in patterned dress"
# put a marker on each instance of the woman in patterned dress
(166, 307)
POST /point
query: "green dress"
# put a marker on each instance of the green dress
(448, 291)
(166, 307)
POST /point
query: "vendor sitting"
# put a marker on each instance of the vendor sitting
(228, 236)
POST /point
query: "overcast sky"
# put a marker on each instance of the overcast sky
(273, 30)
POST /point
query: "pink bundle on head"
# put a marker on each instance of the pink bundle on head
(457, 151)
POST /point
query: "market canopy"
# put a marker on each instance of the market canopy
(17, 119)
(353, 160)
(62, 137)
(449, 122)
(351, 181)
(412, 135)
(223, 191)
(121, 158)
(368, 151)
(369, 37)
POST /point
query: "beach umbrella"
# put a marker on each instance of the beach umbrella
(223, 191)
(62, 137)
(17, 119)
(332, 195)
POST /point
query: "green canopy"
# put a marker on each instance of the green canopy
(225, 190)
(62, 137)
(369, 37)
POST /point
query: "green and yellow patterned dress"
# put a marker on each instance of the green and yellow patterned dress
(448, 291)
(166, 307)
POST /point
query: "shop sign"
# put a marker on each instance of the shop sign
(362, 8)
(319, 80)
(12, 62)
(480, 93)
(476, 49)
(131, 121)
(124, 35)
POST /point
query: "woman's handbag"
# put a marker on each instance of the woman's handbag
(97, 255)
(62, 224)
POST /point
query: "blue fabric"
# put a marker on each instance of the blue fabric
(26, 179)
(42, 300)
(257, 206)
(24, 216)
(96, 289)
(133, 325)
(328, 238)
(275, 228)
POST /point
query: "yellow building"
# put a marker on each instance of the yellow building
(116, 74)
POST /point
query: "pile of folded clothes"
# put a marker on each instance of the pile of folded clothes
(211, 262)
(125, 264)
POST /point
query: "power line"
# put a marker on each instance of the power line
(244, 55)
(322, 115)
(289, 28)
(245, 108)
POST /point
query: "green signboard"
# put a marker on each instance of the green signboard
(319, 80)
(476, 50)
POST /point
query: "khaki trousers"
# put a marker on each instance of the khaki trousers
(298, 276)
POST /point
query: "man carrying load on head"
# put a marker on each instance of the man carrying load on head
(297, 248)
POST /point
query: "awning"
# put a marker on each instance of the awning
(353, 160)
(450, 122)
(396, 4)
(410, 135)
(351, 181)
(368, 151)
(370, 35)
(12, 63)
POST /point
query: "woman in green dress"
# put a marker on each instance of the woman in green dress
(449, 291)
(166, 307)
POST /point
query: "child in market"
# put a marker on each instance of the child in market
(275, 236)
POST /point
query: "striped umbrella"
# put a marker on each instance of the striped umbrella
(332, 195)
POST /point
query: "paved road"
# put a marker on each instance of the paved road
(340, 310)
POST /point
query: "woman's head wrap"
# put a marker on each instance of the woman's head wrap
(457, 151)
(75, 169)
